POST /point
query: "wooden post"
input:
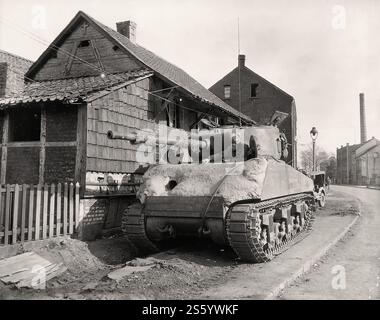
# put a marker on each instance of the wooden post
(80, 161)
(43, 146)
(76, 206)
(30, 220)
(65, 192)
(38, 212)
(71, 209)
(44, 212)
(15, 213)
(4, 148)
(59, 204)
(52, 211)
(23, 212)
(6, 213)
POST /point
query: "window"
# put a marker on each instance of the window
(254, 87)
(24, 125)
(84, 43)
(173, 116)
(227, 92)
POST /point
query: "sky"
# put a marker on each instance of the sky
(322, 52)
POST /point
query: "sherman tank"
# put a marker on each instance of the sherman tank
(228, 184)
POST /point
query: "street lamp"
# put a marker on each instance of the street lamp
(314, 136)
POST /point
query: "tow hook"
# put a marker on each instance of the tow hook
(204, 231)
(167, 229)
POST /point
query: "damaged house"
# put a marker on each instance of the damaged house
(90, 80)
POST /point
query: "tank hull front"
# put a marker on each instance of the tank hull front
(176, 217)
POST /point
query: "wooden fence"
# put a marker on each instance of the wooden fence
(34, 212)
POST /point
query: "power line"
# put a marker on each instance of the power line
(58, 49)
(46, 43)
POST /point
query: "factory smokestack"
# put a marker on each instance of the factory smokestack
(363, 126)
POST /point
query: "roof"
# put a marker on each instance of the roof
(267, 81)
(160, 66)
(73, 89)
(367, 146)
(236, 69)
(14, 56)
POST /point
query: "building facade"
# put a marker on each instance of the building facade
(359, 164)
(255, 96)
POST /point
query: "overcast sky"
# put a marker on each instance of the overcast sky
(324, 53)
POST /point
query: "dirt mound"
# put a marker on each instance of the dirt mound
(74, 254)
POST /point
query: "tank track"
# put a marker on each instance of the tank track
(133, 226)
(244, 228)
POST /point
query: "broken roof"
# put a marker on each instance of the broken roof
(160, 66)
(73, 89)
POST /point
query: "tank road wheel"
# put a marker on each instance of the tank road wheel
(297, 224)
(322, 200)
(247, 234)
(255, 236)
(133, 227)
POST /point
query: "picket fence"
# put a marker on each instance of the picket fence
(35, 212)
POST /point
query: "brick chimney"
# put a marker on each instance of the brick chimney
(128, 29)
(241, 60)
(363, 125)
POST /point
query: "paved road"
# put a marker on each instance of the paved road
(351, 270)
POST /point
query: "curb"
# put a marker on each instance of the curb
(310, 262)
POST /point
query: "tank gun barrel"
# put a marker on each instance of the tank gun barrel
(138, 138)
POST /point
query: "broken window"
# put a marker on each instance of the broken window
(254, 87)
(173, 116)
(227, 92)
(24, 125)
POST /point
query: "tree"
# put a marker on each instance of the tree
(329, 166)
(321, 156)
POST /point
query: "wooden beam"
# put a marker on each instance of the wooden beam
(71, 57)
(4, 148)
(26, 144)
(43, 146)
(97, 54)
(81, 154)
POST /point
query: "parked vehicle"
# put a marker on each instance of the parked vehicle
(320, 187)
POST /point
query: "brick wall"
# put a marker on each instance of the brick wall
(61, 123)
(60, 164)
(60, 160)
(260, 108)
(15, 67)
(23, 165)
(61, 126)
(342, 162)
